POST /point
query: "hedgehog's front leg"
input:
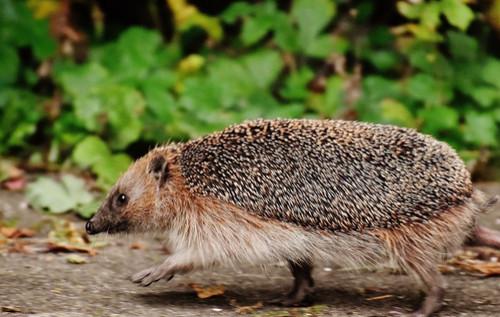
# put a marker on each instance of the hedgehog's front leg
(303, 284)
(167, 269)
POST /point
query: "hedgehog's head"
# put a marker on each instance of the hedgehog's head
(139, 199)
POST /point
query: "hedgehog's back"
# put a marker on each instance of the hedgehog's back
(332, 175)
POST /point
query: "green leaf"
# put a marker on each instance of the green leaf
(58, 197)
(496, 114)
(227, 77)
(20, 111)
(93, 152)
(321, 46)
(426, 88)
(376, 88)
(9, 64)
(81, 80)
(383, 59)
(485, 96)
(409, 10)
(44, 45)
(294, 110)
(334, 96)
(75, 188)
(430, 14)
(438, 118)
(159, 78)
(263, 67)
(109, 170)
(285, 35)
(131, 58)
(90, 151)
(421, 86)
(88, 210)
(457, 13)
(425, 33)
(117, 105)
(490, 72)
(429, 60)
(19, 28)
(462, 47)
(236, 10)
(311, 17)
(254, 29)
(296, 84)
(160, 103)
(394, 112)
(480, 129)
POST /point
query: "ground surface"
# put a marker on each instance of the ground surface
(45, 284)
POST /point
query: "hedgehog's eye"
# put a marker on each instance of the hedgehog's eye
(121, 200)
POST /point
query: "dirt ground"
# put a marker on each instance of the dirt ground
(45, 284)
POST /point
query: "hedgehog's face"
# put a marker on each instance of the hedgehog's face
(130, 205)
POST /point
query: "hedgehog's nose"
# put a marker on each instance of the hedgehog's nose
(89, 227)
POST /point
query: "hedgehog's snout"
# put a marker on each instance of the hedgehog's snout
(90, 227)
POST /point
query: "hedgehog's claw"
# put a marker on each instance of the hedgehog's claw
(156, 274)
(150, 275)
(138, 277)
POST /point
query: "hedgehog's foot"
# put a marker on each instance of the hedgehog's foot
(482, 236)
(303, 286)
(432, 303)
(153, 274)
(434, 284)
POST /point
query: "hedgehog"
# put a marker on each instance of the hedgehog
(298, 191)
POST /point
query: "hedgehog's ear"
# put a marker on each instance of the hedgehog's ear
(158, 168)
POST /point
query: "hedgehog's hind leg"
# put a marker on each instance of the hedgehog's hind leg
(303, 285)
(419, 257)
(434, 287)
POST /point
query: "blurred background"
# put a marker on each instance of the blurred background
(89, 85)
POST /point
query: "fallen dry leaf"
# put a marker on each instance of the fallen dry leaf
(76, 259)
(482, 261)
(12, 177)
(487, 269)
(484, 253)
(18, 247)
(15, 184)
(207, 292)
(447, 269)
(65, 247)
(14, 233)
(68, 232)
(245, 309)
(381, 297)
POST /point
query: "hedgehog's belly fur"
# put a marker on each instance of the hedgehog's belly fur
(223, 234)
(329, 175)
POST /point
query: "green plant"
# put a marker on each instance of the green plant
(58, 197)
(20, 108)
